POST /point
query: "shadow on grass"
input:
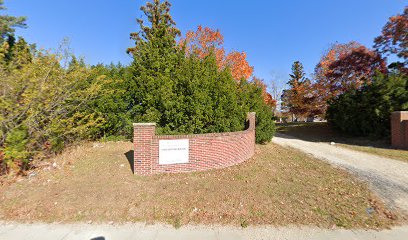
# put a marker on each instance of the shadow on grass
(130, 156)
(321, 132)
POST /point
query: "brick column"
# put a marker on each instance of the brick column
(251, 128)
(399, 137)
(143, 134)
(404, 130)
(251, 120)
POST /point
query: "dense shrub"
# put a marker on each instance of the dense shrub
(49, 100)
(206, 99)
(43, 105)
(367, 112)
(116, 102)
(250, 99)
(200, 99)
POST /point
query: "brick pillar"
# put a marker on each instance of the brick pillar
(251, 127)
(251, 120)
(399, 136)
(143, 134)
(404, 128)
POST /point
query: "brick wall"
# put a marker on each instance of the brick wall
(206, 151)
(399, 129)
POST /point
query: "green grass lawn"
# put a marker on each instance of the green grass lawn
(321, 132)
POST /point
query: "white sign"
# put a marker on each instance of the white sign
(173, 151)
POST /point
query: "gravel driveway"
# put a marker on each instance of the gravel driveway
(387, 177)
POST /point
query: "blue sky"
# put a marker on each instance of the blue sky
(274, 34)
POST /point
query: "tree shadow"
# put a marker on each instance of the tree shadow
(130, 155)
(321, 132)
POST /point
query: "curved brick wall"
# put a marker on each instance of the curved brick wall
(206, 151)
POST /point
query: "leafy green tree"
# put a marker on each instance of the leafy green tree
(251, 100)
(49, 100)
(115, 104)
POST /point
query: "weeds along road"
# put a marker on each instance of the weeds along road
(387, 177)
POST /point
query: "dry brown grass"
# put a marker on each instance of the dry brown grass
(278, 186)
(321, 132)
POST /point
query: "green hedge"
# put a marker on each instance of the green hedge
(367, 112)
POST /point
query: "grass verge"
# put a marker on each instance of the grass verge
(94, 183)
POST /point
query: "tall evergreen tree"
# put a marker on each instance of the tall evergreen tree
(161, 26)
(207, 99)
(298, 74)
(15, 54)
(186, 93)
(9, 23)
(298, 99)
(156, 58)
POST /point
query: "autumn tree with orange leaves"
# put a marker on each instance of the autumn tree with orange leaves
(206, 40)
(238, 64)
(268, 99)
(299, 99)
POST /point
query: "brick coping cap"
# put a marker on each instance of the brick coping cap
(144, 124)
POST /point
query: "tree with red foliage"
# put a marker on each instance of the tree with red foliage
(394, 36)
(323, 84)
(394, 39)
(354, 69)
(344, 67)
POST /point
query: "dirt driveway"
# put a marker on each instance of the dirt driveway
(387, 177)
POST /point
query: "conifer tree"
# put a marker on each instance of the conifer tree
(9, 23)
(186, 93)
(14, 54)
(298, 74)
(298, 99)
(156, 58)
